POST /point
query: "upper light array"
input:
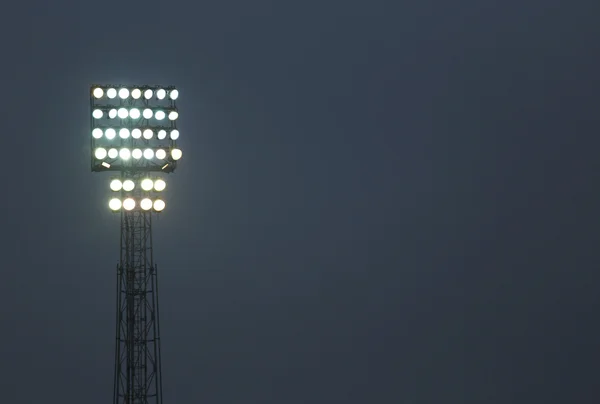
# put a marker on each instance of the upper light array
(135, 93)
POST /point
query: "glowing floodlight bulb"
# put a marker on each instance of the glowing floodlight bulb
(147, 114)
(148, 94)
(113, 153)
(148, 134)
(116, 185)
(124, 133)
(98, 92)
(136, 154)
(136, 93)
(128, 185)
(148, 154)
(176, 154)
(159, 205)
(174, 134)
(136, 133)
(160, 185)
(146, 204)
(100, 153)
(162, 134)
(134, 113)
(174, 94)
(112, 114)
(161, 94)
(110, 133)
(114, 204)
(97, 114)
(125, 154)
(147, 184)
(111, 93)
(173, 115)
(129, 204)
(161, 154)
(123, 93)
(123, 113)
(159, 115)
(97, 133)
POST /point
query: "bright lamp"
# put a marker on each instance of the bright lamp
(136, 154)
(173, 115)
(146, 204)
(129, 204)
(111, 93)
(174, 94)
(148, 154)
(148, 94)
(159, 115)
(97, 133)
(161, 94)
(116, 185)
(162, 134)
(136, 133)
(98, 92)
(161, 154)
(123, 113)
(176, 154)
(123, 93)
(125, 154)
(97, 114)
(148, 134)
(174, 134)
(147, 184)
(159, 205)
(124, 133)
(136, 93)
(147, 114)
(114, 204)
(100, 153)
(110, 133)
(160, 185)
(128, 185)
(112, 114)
(134, 113)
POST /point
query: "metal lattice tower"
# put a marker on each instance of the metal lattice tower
(137, 353)
(134, 136)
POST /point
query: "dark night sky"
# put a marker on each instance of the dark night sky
(379, 202)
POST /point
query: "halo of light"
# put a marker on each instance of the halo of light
(116, 185)
(148, 94)
(110, 133)
(136, 154)
(159, 115)
(160, 185)
(173, 115)
(123, 93)
(147, 114)
(124, 133)
(147, 184)
(161, 94)
(136, 93)
(123, 113)
(159, 205)
(148, 154)
(174, 134)
(97, 133)
(100, 153)
(174, 94)
(162, 134)
(111, 93)
(148, 134)
(112, 114)
(128, 185)
(125, 154)
(113, 153)
(129, 204)
(176, 154)
(146, 204)
(97, 114)
(136, 133)
(134, 113)
(98, 92)
(114, 204)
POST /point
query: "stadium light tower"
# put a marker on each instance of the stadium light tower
(134, 138)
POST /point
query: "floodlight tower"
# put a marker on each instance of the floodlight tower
(134, 137)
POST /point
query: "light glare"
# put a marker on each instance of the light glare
(134, 113)
(128, 185)
(159, 205)
(97, 133)
(147, 114)
(97, 114)
(159, 115)
(112, 114)
(136, 133)
(176, 154)
(125, 154)
(98, 92)
(148, 154)
(111, 93)
(173, 115)
(136, 93)
(162, 134)
(136, 154)
(148, 94)
(123, 113)
(174, 134)
(174, 94)
(147, 184)
(124, 133)
(100, 153)
(116, 185)
(161, 94)
(113, 153)
(159, 185)
(146, 204)
(148, 134)
(161, 154)
(114, 204)
(128, 204)
(110, 133)
(123, 93)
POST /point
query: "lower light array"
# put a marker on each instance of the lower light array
(130, 204)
